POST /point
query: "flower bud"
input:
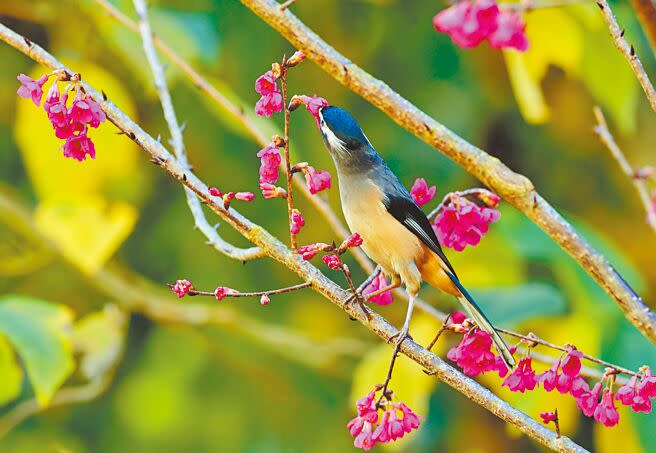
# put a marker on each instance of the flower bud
(296, 59)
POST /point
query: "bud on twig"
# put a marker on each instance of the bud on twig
(295, 102)
(276, 69)
(295, 59)
(278, 141)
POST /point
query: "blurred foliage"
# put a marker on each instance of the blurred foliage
(191, 388)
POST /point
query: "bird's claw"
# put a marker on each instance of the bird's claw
(399, 337)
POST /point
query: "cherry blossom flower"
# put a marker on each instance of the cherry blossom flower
(215, 192)
(85, 111)
(269, 104)
(266, 84)
(296, 221)
(578, 387)
(222, 292)
(548, 417)
(522, 378)
(354, 240)
(474, 354)
(296, 59)
(79, 146)
(549, 378)
(421, 193)
(571, 363)
(265, 299)
(365, 440)
(457, 317)
(270, 191)
(269, 164)
(379, 282)
(647, 385)
(589, 401)
(468, 23)
(312, 104)
(332, 261)
(245, 196)
(606, 412)
(317, 180)
(181, 288)
(31, 89)
(462, 223)
(510, 32)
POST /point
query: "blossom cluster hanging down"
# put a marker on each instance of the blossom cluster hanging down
(70, 123)
(470, 22)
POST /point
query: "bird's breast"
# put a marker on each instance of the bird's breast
(385, 240)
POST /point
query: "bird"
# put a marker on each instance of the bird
(396, 233)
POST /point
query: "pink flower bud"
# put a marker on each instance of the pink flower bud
(222, 292)
(215, 192)
(265, 300)
(270, 191)
(245, 196)
(296, 59)
(296, 221)
(332, 261)
(181, 288)
(354, 240)
(548, 417)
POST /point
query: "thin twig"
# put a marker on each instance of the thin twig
(177, 142)
(628, 51)
(439, 332)
(277, 250)
(233, 293)
(513, 187)
(602, 131)
(287, 4)
(287, 161)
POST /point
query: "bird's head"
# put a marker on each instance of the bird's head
(341, 133)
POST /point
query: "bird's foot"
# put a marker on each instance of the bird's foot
(399, 337)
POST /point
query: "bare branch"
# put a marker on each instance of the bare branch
(276, 250)
(268, 292)
(177, 142)
(515, 188)
(601, 129)
(628, 51)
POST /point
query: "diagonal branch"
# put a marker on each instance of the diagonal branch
(601, 129)
(515, 188)
(177, 142)
(628, 51)
(320, 283)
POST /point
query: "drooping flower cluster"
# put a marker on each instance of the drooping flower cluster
(270, 101)
(370, 428)
(296, 221)
(474, 356)
(421, 193)
(333, 260)
(317, 180)
(181, 288)
(462, 222)
(470, 22)
(69, 123)
(378, 283)
(312, 104)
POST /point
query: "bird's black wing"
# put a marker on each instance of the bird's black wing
(406, 211)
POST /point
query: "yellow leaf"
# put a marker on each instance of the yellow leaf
(556, 39)
(621, 437)
(11, 374)
(410, 384)
(115, 169)
(87, 229)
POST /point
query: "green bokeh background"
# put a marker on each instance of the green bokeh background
(182, 387)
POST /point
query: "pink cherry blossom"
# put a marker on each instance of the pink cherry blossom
(366, 407)
(647, 385)
(510, 32)
(296, 221)
(245, 196)
(410, 419)
(522, 378)
(474, 354)
(85, 111)
(549, 378)
(589, 401)
(421, 193)
(468, 23)
(548, 417)
(457, 317)
(571, 363)
(31, 89)
(606, 412)
(269, 164)
(332, 261)
(270, 191)
(382, 432)
(313, 105)
(181, 288)
(79, 146)
(265, 299)
(222, 292)
(462, 223)
(354, 240)
(317, 180)
(578, 387)
(266, 84)
(379, 282)
(296, 59)
(215, 192)
(365, 440)
(269, 104)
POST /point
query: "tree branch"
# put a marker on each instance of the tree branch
(628, 51)
(601, 129)
(276, 250)
(515, 188)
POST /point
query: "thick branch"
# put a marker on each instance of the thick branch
(601, 129)
(646, 11)
(276, 250)
(628, 51)
(515, 188)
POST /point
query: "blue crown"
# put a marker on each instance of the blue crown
(342, 124)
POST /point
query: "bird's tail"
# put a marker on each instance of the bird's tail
(475, 313)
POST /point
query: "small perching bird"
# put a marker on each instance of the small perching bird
(397, 234)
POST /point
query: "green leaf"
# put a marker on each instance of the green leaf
(194, 34)
(40, 332)
(513, 305)
(11, 374)
(99, 337)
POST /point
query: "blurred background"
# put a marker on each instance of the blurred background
(87, 248)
